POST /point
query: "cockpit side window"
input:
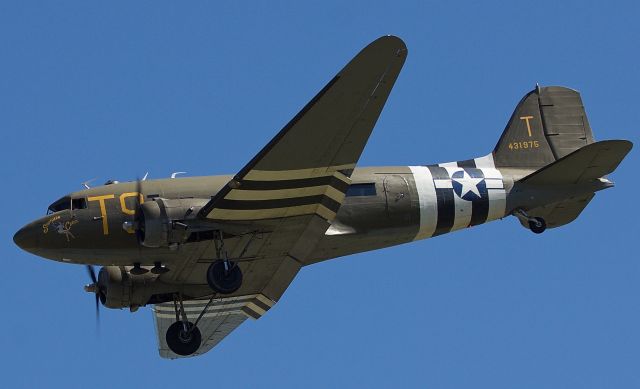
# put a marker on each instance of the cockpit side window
(79, 203)
(60, 205)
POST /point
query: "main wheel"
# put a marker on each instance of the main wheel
(223, 280)
(538, 225)
(181, 342)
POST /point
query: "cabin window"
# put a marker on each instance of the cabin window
(366, 189)
(79, 203)
(60, 205)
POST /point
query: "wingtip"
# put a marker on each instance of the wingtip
(393, 40)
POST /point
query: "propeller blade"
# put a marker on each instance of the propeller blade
(92, 274)
(95, 288)
(97, 312)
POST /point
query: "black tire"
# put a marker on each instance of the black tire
(222, 281)
(538, 226)
(183, 345)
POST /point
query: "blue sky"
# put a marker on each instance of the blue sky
(110, 90)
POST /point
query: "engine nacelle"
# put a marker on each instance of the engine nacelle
(163, 221)
(117, 288)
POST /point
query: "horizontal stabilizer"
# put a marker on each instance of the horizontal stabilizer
(560, 213)
(587, 163)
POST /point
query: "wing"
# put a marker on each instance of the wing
(265, 280)
(305, 168)
(222, 316)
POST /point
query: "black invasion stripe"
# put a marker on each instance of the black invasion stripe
(330, 204)
(278, 203)
(446, 206)
(339, 184)
(250, 312)
(293, 184)
(479, 207)
(260, 304)
(467, 163)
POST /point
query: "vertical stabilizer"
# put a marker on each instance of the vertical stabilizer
(548, 123)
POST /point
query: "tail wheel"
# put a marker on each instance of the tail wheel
(224, 277)
(183, 342)
(537, 225)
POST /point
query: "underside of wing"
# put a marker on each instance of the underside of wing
(305, 168)
(221, 317)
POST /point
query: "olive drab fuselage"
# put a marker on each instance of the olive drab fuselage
(387, 206)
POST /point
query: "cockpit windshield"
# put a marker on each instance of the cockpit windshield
(67, 203)
(60, 205)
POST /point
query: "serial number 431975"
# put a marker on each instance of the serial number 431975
(531, 144)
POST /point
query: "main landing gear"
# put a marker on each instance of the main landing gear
(536, 224)
(223, 276)
(183, 337)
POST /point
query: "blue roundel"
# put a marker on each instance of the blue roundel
(468, 185)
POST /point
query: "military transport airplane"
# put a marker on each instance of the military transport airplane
(209, 252)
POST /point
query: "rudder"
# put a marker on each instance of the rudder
(548, 124)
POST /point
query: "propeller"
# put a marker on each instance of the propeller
(94, 287)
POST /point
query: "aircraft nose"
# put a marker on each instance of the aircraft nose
(26, 238)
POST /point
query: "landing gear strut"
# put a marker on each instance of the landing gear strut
(537, 225)
(223, 275)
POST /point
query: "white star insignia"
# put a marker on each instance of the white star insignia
(469, 184)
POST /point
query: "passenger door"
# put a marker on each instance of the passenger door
(398, 202)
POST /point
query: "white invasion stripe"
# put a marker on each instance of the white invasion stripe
(265, 300)
(463, 208)
(493, 183)
(497, 204)
(485, 162)
(256, 309)
(491, 173)
(427, 201)
(448, 164)
(443, 184)
(497, 196)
